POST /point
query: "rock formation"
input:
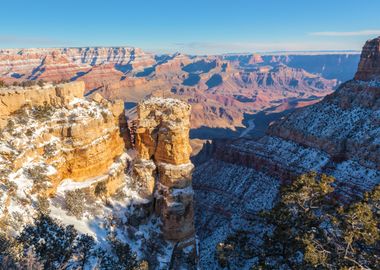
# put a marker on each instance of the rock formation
(163, 164)
(14, 98)
(61, 149)
(55, 127)
(369, 66)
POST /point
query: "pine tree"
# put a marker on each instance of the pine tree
(309, 229)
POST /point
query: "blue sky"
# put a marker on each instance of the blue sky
(193, 26)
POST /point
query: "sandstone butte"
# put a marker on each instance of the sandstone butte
(162, 142)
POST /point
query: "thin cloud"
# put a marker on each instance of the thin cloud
(242, 47)
(27, 41)
(347, 34)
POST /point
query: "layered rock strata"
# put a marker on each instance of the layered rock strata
(14, 98)
(221, 89)
(56, 129)
(163, 165)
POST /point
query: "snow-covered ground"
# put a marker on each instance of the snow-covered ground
(227, 197)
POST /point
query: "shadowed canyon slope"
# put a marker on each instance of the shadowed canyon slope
(221, 89)
(338, 136)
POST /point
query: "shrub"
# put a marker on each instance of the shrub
(91, 114)
(43, 205)
(52, 242)
(101, 189)
(74, 203)
(49, 150)
(29, 132)
(40, 83)
(43, 112)
(25, 84)
(126, 258)
(10, 127)
(38, 175)
(21, 115)
(46, 244)
(104, 115)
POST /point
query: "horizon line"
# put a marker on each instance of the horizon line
(270, 52)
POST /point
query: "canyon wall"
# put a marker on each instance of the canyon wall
(338, 136)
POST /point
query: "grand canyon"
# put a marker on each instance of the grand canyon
(121, 158)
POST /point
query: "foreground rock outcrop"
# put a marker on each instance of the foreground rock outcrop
(71, 157)
(51, 134)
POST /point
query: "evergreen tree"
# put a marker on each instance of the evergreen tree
(309, 229)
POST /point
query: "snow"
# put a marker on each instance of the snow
(251, 126)
(227, 196)
(69, 184)
(84, 225)
(159, 101)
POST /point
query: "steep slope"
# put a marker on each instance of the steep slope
(338, 136)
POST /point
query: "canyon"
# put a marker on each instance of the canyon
(134, 165)
(236, 179)
(222, 89)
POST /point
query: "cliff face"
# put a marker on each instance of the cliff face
(52, 134)
(15, 98)
(369, 66)
(162, 142)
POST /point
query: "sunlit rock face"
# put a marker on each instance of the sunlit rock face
(369, 66)
(14, 98)
(162, 142)
(56, 127)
